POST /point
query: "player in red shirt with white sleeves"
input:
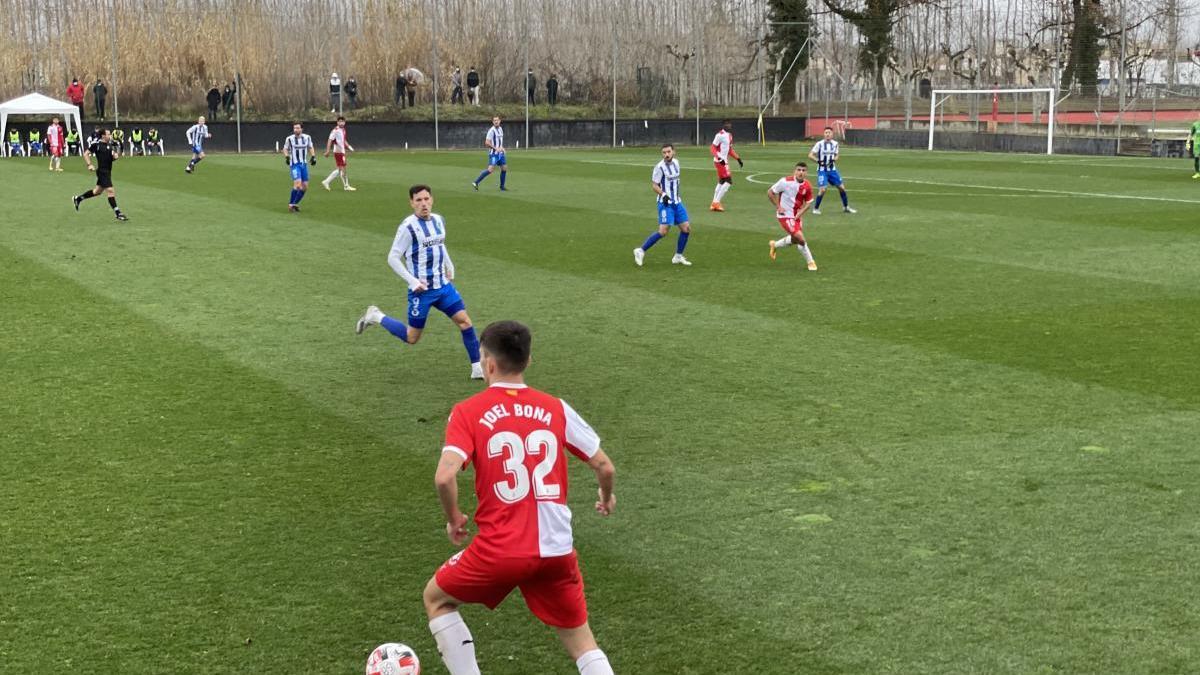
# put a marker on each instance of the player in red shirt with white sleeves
(55, 142)
(339, 144)
(517, 438)
(722, 150)
(791, 196)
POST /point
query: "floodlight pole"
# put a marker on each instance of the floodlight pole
(116, 108)
(237, 80)
(437, 144)
(614, 84)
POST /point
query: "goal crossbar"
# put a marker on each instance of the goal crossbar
(933, 106)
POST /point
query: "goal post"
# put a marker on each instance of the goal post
(938, 97)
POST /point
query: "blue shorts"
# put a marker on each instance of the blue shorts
(446, 299)
(830, 176)
(196, 150)
(496, 159)
(672, 214)
(300, 172)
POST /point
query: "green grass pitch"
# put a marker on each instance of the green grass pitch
(968, 444)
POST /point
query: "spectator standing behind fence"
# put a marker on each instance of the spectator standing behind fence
(99, 94)
(411, 76)
(214, 102)
(531, 86)
(401, 87)
(552, 90)
(226, 97)
(335, 92)
(233, 100)
(473, 86)
(456, 92)
(352, 92)
(75, 95)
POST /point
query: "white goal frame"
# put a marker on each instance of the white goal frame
(933, 106)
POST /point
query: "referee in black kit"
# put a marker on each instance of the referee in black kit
(105, 155)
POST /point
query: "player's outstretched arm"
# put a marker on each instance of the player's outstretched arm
(606, 476)
(773, 197)
(446, 480)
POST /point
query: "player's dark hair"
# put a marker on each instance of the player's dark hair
(669, 145)
(419, 187)
(726, 123)
(508, 342)
(827, 129)
(341, 118)
(801, 165)
(298, 123)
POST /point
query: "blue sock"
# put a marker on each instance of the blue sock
(471, 342)
(292, 199)
(820, 196)
(395, 327)
(482, 174)
(503, 177)
(651, 240)
(299, 195)
(845, 199)
(682, 243)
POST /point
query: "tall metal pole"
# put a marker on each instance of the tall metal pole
(696, 69)
(116, 109)
(437, 66)
(237, 80)
(525, 71)
(614, 84)
(1121, 82)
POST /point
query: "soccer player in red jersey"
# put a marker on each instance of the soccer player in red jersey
(722, 150)
(54, 139)
(791, 196)
(517, 438)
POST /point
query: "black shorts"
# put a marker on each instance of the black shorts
(104, 179)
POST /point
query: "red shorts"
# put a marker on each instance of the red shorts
(339, 160)
(792, 225)
(56, 151)
(722, 170)
(552, 587)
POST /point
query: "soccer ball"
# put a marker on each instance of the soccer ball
(393, 658)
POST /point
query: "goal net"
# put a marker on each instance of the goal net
(957, 116)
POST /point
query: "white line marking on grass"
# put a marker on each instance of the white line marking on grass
(970, 186)
(1069, 193)
(752, 177)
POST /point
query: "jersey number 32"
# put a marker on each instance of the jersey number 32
(514, 449)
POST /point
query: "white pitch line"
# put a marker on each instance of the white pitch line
(1002, 188)
(1069, 193)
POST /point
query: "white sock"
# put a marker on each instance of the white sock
(783, 242)
(345, 179)
(594, 663)
(717, 193)
(724, 188)
(455, 644)
(331, 176)
(805, 252)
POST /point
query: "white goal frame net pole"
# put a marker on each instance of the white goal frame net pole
(933, 106)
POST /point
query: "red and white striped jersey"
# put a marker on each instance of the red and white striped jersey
(515, 437)
(54, 135)
(722, 144)
(793, 195)
(338, 136)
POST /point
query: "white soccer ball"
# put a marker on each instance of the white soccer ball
(393, 658)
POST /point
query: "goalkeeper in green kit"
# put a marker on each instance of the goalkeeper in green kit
(1193, 146)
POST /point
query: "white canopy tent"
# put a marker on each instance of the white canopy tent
(37, 104)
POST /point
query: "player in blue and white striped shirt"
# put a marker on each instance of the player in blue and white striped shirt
(665, 181)
(195, 138)
(298, 152)
(826, 154)
(419, 256)
(494, 141)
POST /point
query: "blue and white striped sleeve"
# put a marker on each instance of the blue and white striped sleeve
(400, 247)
